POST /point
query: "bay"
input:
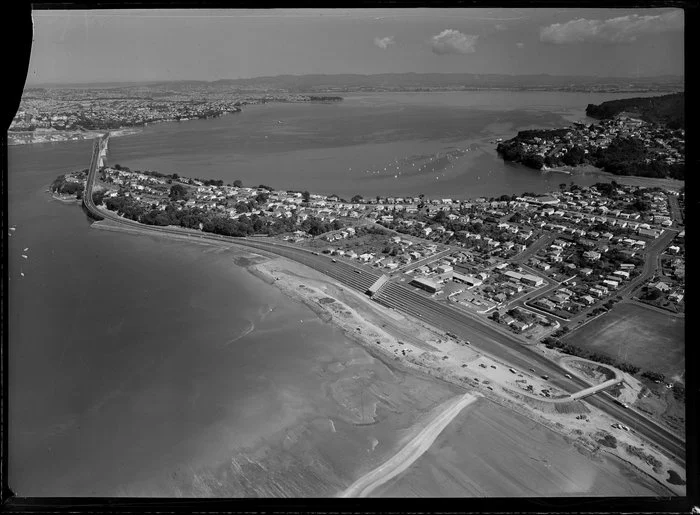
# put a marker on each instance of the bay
(136, 361)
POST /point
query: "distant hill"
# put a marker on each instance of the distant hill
(668, 110)
(416, 82)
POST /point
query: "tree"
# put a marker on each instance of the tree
(306, 196)
(98, 196)
(356, 199)
(238, 183)
(261, 198)
(178, 192)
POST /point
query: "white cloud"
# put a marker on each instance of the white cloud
(624, 29)
(520, 44)
(384, 42)
(451, 41)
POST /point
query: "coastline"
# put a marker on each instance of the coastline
(409, 346)
(59, 136)
(358, 320)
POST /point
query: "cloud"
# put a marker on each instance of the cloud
(520, 44)
(451, 41)
(624, 29)
(384, 42)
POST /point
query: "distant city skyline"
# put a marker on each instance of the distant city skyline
(172, 45)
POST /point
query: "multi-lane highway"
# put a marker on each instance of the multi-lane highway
(410, 302)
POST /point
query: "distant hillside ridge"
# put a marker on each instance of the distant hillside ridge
(668, 110)
(410, 82)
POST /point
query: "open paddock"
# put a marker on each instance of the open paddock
(637, 335)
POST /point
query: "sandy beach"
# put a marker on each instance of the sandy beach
(410, 344)
(407, 370)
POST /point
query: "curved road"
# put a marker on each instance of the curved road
(410, 302)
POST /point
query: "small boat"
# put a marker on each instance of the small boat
(13, 228)
(26, 249)
(25, 256)
(22, 274)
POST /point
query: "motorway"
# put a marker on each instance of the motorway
(408, 301)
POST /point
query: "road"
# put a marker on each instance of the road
(407, 301)
(410, 452)
(676, 213)
(534, 248)
(423, 261)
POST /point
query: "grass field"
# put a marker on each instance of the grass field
(637, 335)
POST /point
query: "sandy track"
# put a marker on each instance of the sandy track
(410, 452)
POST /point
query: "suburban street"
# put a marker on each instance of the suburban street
(445, 318)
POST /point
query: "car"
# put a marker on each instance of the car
(568, 376)
(545, 377)
(334, 260)
(357, 271)
(532, 369)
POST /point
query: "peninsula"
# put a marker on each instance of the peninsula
(528, 270)
(621, 146)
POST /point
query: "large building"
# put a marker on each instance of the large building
(532, 280)
(469, 280)
(425, 284)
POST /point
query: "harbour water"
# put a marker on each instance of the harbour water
(132, 357)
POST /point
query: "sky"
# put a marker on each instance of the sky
(154, 45)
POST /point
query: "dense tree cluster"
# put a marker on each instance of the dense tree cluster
(667, 109)
(64, 187)
(207, 221)
(624, 156)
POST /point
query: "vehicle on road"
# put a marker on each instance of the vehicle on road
(357, 272)
(532, 369)
(568, 376)
(545, 377)
(334, 260)
(512, 371)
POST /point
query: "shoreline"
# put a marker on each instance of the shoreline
(61, 136)
(425, 364)
(410, 346)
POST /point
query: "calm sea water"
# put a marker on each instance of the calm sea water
(355, 146)
(124, 358)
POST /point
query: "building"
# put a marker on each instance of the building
(648, 233)
(532, 280)
(425, 284)
(610, 284)
(469, 280)
(515, 276)
(622, 273)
